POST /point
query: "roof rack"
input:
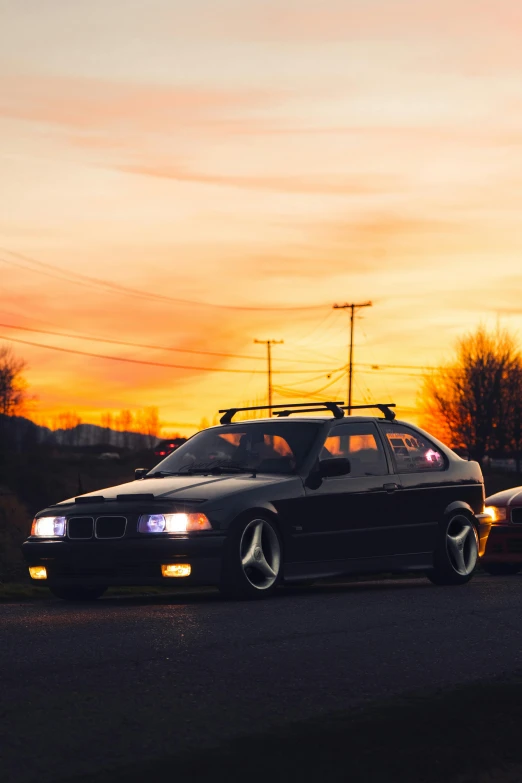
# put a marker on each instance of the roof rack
(384, 407)
(317, 409)
(299, 407)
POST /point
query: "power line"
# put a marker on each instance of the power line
(378, 365)
(306, 341)
(124, 359)
(140, 345)
(319, 377)
(401, 374)
(76, 278)
(149, 363)
(297, 392)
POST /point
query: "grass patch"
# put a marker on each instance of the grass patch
(469, 734)
(13, 591)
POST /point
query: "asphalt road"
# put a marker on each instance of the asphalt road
(83, 688)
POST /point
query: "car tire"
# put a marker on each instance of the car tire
(253, 559)
(77, 593)
(501, 569)
(456, 555)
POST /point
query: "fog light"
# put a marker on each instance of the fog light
(176, 569)
(38, 572)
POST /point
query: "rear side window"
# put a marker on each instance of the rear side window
(412, 451)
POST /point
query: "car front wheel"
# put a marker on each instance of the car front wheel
(77, 592)
(456, 555)
(253, 562)
(501, 569)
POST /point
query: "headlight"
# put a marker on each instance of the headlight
(48, 527)
(496, 513)
(173, 523)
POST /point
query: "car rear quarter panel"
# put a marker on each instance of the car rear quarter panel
(461, 483)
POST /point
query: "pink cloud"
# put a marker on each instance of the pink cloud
(310, 22)
(324, 185)
(90, 104)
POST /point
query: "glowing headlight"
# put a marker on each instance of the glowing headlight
(48, 527)
(173, 523)
(496, 513)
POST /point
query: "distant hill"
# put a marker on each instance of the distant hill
(22, 433)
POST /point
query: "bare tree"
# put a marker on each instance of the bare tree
(13, 387)
(68, 421)
(106, 422)
(124, 422)
(148, 423)
(474, 401)
(513, 415)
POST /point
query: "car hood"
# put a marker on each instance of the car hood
(186, 488)
(508, 497)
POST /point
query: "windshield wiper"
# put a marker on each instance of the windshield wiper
(162, 474)
(215, 470)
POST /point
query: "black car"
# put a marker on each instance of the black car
(247, 505)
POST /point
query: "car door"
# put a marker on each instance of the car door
(350, 516)
(425, 491)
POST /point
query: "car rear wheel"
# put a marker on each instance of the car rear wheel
(253, 562)
(501, 569)
(77, 592)
(457, 550)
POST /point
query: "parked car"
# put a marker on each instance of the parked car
(503, 553)
(248, 505)
(166, 447)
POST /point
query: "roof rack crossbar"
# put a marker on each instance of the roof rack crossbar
(384, 407)
(286, 412)
(299, 407)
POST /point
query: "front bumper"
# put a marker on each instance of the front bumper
(126, 561)
(504, 544)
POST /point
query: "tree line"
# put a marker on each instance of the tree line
(15, 399)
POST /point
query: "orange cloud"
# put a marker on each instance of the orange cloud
(94, 104)
(339, 20)
(324, 185)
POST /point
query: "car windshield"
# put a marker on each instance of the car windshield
(267, 447)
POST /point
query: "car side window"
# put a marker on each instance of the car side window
(412, 451)
(361, 445)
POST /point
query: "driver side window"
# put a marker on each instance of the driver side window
(360, 444)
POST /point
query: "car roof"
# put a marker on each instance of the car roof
(317, 419)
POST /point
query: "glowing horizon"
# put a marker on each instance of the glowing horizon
(266, 155)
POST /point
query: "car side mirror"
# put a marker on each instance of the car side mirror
(328, 468)
(338, 466)
(140, 473)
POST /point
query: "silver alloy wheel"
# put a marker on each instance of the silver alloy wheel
(260, 554)
(462, 545)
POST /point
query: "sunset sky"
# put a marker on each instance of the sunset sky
(170, 171)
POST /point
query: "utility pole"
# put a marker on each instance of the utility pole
(352, 307)
(269, 344)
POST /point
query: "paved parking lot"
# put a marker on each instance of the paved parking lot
(86, 687)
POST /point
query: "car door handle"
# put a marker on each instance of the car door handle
(390, 487)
